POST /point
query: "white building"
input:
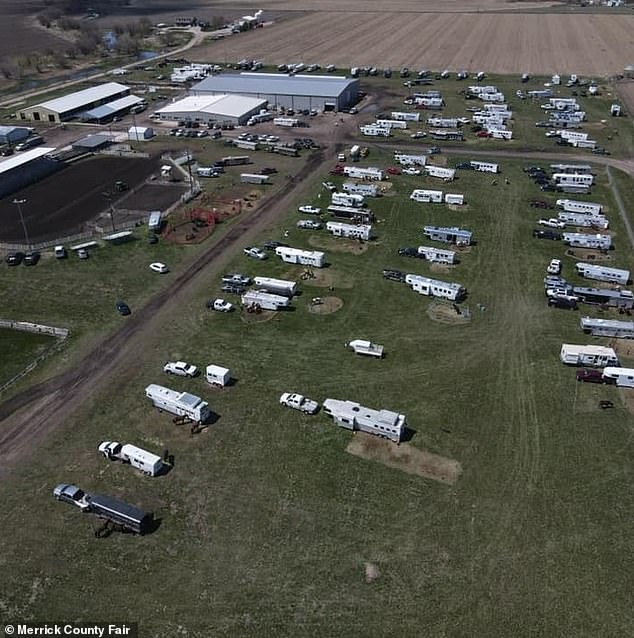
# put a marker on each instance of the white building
(235, 109)
(140, 133)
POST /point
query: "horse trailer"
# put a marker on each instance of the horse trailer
(603, 273)
(437, 255)
(454, 198)
(178, 403)
(435, 288)
(276, 286)
(599, 222)
(605, 297)
(484, 167)
(581, 240)
(446, 174)
(357, 215)
(352, 231)
(367, 190)
(607, 328)
(264, 300)
(303, 257)
(574, 206)
(426, 196)
(449, 235)
(623, 377)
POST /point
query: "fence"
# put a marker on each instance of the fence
(59, 333)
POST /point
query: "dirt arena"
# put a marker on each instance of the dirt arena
(497, 43)
(63, 202)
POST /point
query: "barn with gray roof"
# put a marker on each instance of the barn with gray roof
(322, 92)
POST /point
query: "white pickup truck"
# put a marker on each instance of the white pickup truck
(299, 402)
(361, 346)
(143, 460)
(180, 368)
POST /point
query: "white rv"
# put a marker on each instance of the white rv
(446, 174)
(585, 221)
(485, 167)
(426, 196)
(500, 134)
(623, 377)
(352, 231)
(437, 255)
(368, 172)
(454, 198)
(573, 179)
(178, 403)
(603, 273)
(435, 288)
(574, 206)
(147, 462)
(303, 257)
(410, 160)
(372, 130)
(593, 356)
(367, 190)
(361, 346)
(389, 124)
(571, 168)
(352, 416)
(581, 240)
(348, 199)
(607, 328)
(443, 122)
(276, 286)
(264, 300)
(217, 375)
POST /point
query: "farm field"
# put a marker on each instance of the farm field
(505, 43)
(269, 527)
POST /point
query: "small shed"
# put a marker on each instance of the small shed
(92, 143)
(13, 134)
(140, 133)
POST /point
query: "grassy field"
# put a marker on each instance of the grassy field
(267, 525)
(18, 350)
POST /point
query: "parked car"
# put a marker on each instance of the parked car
(591, 376)
(180, 368)
(15, 258)
(464, 166)
(546, 234)
(123, 309)
(236, 278)
(562, 302)
(411, 171)
(393, 170)
(72, 494)
(552, 222)
(235, 289)
(554, 267)
(272, 244)
(255, 252)
(418, 135)
(308, 224)
(309, 210)
(219, 305)
(554, 281)
(408, 252)
(31, 258)
(82, 253)
(157, 266)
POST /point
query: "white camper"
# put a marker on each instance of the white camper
(405, 115)
(352, 231)
(348, 199)
(500, 134)
(573, 179)
(581, 240)
(254, 178)
(352, 416)
(607, 328)
(592, 356)
(454, 198)
(443, 122)
(400, 124)
(437, 255)
(426, 196)
(485, 167)
(217, 375)
(372, 130)
(410, 160)
(446, 174)
(623, 377)
(148, 463)
(178, 403)
(434, 287)
(282, 287)
(303, 257)
(574, 206)
(264, 300)
(367, 190)
(361, 346)
(603, 273)
(368, 172)
(448, 234)
(586, 221)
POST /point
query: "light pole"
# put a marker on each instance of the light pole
(18, 203)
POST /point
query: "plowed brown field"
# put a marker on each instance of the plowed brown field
(497, 43)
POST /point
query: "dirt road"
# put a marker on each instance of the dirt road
(30, 416)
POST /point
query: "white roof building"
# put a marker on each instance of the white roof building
(233, 108)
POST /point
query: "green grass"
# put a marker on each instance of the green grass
(18, 350)
(267, 523)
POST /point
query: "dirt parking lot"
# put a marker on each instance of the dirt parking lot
(62, 203)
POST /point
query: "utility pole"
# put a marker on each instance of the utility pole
(18, 203)
(189, 168)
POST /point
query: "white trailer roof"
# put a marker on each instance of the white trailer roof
(589, 322)
(591, 349)
(227, 105)
(83, 98)
(24, 158)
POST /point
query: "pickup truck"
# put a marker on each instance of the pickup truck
(361, 346)
(299, 402)
(180, 368)
(72, 494)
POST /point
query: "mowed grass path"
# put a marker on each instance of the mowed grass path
(267, 523)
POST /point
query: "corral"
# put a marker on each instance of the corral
(49, 212)
(502, 43)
